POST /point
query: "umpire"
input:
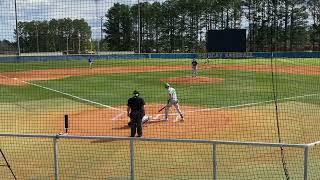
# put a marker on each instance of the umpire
(136, 112)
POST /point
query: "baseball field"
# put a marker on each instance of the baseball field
(231, 100)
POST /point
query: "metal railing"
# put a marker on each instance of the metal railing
(214, 143)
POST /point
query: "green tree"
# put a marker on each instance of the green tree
(181, 25)
(292, 24)
(44, 36)
(119, 28)
(314, 29)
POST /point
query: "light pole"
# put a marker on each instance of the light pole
(139, 26)
(67, 44)
(98, 18)
(100, 41)
(101, 32)
(90, 40)
(17, 30)
(79, 49)
(37, 33)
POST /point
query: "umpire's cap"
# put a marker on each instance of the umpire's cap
(136, 93)
(166, 85)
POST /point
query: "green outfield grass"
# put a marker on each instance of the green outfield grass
(239, 87)
(298, 117)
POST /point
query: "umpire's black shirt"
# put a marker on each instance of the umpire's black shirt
(136, 103)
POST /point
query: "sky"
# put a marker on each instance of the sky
(28, 10)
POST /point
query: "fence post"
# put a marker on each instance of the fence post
(132, 159)
(55, 158)
(214, 160)
(306, 156)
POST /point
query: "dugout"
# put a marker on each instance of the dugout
(227, 40)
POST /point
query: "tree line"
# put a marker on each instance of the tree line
(181, 25)
(7, 47)
(55, 35)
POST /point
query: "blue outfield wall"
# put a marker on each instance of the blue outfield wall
(174, 56)
(248, 55)
(234, 55)
(71, 57)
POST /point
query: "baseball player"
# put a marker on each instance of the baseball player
(194, 64)
(173, 100)
(90, 61)
(136, 112)
(145, 119)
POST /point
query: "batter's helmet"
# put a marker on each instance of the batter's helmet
(166, 85)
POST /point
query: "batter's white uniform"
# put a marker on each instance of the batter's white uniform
(173, 100)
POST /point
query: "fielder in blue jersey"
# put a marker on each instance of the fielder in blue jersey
(90, 61)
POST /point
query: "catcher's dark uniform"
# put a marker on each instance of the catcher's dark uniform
(136, 105)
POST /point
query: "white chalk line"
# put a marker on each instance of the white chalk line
(117, 117)
(157, 116)
(252, 104)
(67, 94)
(239, 105)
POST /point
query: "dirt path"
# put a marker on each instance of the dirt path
(109, 122)
(17, 78)
(49, 74)
(305, 70)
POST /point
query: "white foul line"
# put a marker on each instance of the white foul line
(67, 94)
(251, 104)
(117, 116)
(241, 105)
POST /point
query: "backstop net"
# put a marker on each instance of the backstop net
(68, 68)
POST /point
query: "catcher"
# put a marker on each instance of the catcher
(145, 119)
(135, 111)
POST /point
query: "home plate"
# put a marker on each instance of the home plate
(117, 117)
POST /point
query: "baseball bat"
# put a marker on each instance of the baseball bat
(162, 108)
